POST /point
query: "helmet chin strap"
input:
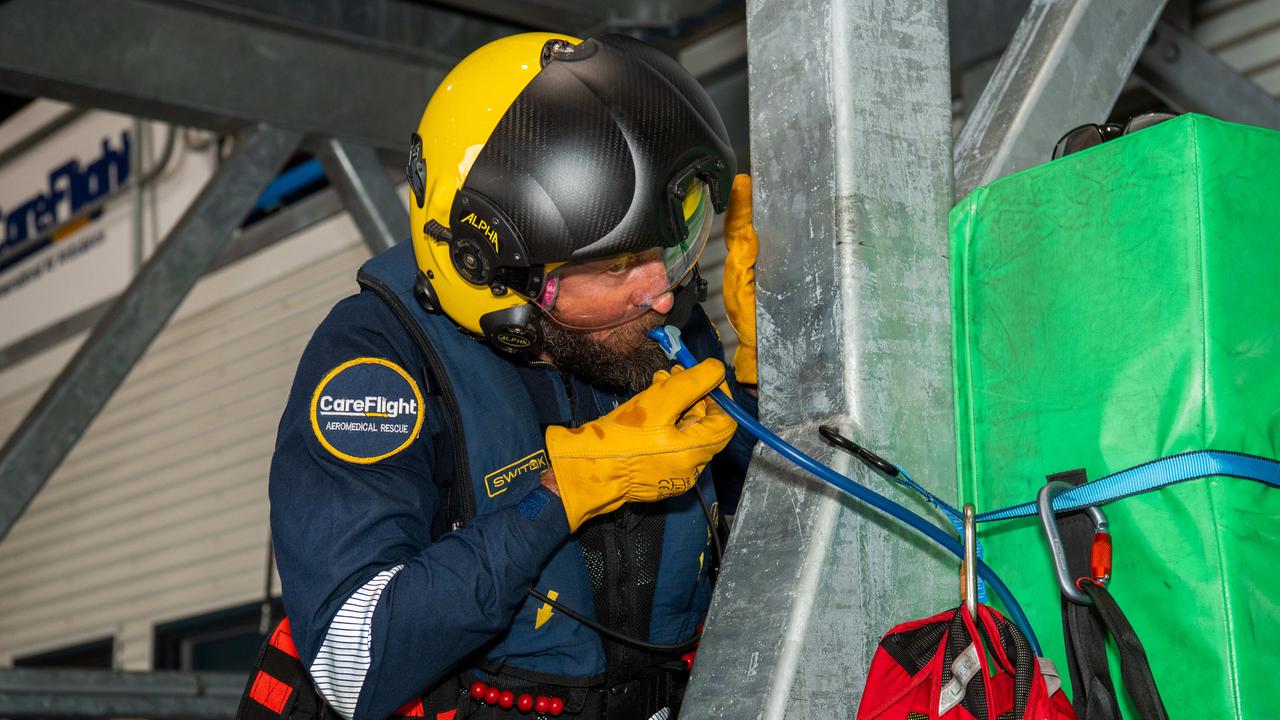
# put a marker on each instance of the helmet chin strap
(690, 293)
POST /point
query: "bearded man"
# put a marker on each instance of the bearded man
(491, 494)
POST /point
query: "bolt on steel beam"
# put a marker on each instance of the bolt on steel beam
(83, 387)
(1065, 66)
(851, 157)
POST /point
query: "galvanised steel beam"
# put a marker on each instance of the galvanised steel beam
(41, 693)
(680, 17)
(211, 70)
(980, 29)
(1190, 77)
(361, 180)
(1065, 66)
(374, 25)
(851, 158)
(83, 387)
(543, 15)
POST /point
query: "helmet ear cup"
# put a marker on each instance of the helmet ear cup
(425, 293)
(513, 329)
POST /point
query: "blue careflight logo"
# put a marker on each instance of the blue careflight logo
(366, 410)
(70, 188)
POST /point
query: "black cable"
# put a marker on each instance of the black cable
(611, 634)
(614, 635)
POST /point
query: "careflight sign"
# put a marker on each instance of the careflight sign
(68, 238)
(68, 187)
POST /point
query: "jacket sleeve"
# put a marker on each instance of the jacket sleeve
(379, 610)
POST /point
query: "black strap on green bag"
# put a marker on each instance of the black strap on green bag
(1086, 628)
(1135, 671)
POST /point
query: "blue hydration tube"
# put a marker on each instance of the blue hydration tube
(669, 338)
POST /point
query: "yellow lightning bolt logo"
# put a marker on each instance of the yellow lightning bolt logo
(544, 612)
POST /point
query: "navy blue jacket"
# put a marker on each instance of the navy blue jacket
(384, 598)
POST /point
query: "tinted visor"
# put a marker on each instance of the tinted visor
(611, 291)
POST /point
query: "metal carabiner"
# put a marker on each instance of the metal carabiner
(970, 567)
(1100, 552)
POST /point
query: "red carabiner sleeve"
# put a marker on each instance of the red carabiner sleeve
(1100, 557)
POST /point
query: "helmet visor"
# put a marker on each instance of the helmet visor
(611, 291)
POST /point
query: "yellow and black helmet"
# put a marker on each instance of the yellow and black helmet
(539, 151)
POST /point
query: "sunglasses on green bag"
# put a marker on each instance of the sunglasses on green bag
(1092, 134)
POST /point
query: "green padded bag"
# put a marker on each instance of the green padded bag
(1116, 306)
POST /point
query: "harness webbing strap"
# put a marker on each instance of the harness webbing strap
(270, 692)
(1135, 670)
(280, 689)
(1086, 628)
(282, 640)
(279, 686)
(1153, 476)
(1094, 694)
(411, 709)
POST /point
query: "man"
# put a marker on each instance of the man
(481, 487)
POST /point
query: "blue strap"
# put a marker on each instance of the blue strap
(954, 517)
(1153, 476)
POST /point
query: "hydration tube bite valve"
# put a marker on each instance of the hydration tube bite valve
(669, 338)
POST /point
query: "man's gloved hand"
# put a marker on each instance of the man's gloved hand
(740, 278)
(651, 447)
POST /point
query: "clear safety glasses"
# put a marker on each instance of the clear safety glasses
(612, 291)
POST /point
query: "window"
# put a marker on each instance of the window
(96, 654)
(226, 640)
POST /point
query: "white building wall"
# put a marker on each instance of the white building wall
(160, 510)
(1245, 34)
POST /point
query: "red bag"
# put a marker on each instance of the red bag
(933, 669)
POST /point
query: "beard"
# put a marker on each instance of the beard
(622, 359)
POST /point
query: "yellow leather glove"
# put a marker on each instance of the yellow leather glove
(740, 278)
(651, 447)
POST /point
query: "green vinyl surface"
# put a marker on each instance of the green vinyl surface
(1116, 306)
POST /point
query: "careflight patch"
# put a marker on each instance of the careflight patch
(366, 410)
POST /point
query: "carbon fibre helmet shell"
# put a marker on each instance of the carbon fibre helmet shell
(583, 160)
(525, 165)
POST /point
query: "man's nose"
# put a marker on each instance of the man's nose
(664, 304)
(652, 286)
